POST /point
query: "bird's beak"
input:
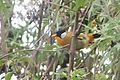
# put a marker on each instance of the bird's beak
(54, 35)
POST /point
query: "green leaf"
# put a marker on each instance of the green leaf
(78, 74)
(35, 77)
(8, 76)
(42, 56)
(117, 37)
(49, 47)
(105, 41)
(101, 76)
(61, 73)
(25, 59)
(2, 62)
(79, 4)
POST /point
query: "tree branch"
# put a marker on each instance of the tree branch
(83, 18)
(73, 45)
(41, 17)
(76, 32)
(3, 37)
(48, 69)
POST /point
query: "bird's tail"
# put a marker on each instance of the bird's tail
(96, 35)
(92, 36)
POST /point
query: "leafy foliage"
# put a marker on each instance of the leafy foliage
(8, 76)
(78, 74)
(31, 48)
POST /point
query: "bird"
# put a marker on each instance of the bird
(63, 37)
(93, 23)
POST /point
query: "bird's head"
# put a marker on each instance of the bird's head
(59, 33)
(58, 36)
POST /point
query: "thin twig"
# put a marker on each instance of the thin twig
(79, 65)
(48, 69)
(41, 17)
(38, 49)
(83, 18)
(35, 52)
(60, 5)
(41, 36)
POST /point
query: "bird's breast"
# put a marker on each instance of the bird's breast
(59, 41)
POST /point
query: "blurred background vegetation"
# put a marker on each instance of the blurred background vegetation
(28, 52)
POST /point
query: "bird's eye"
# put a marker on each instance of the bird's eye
(63, 35)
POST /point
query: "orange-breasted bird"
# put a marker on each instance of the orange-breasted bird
(64, 37)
